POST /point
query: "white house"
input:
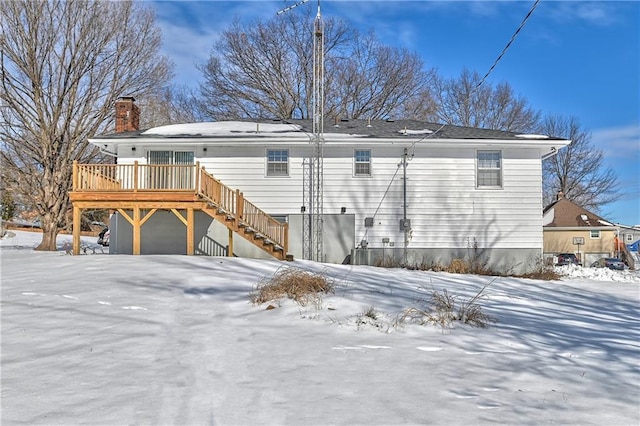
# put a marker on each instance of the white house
(421, 192)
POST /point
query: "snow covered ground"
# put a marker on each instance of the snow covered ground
(174, 340)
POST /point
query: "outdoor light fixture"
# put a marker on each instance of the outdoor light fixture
(204, 149)
(343, 210)
(303, 209)
(133, 149)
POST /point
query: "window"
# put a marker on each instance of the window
(595, 234)
(362, 162)
(629, 237)
(489, 168)
(277, 162)
(170, 157)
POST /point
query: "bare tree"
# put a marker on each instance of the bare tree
(375, 81)
(464, 101)
(171, 105)
(63, 64)
(577, 170)
(264, 69)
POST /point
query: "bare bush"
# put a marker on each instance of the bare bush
(541, 271)
(459, 266)
(371, 313)
(444, 308)
(303, 287)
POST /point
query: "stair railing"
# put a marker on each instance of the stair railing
(243, 212)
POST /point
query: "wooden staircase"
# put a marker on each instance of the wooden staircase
(243, 217)
(173, 187)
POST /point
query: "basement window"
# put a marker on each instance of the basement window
(362, 162)
(489, 169)
(277, 162)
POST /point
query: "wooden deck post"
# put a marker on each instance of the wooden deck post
(77, 214)
(197, 178)
(190, 231)
(230, 249)
(74, 182)
(239, 208)
(136, 230)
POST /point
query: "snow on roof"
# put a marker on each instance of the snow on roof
(532, 136)
(239, 128)
(223, 128)
(415, 132)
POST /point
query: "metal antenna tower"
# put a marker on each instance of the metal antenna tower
(312, 191)
(318, 133)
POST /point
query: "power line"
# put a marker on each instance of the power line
(513, 37)
(493, 66)
(482, 80)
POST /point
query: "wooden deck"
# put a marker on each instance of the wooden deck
(137, 191)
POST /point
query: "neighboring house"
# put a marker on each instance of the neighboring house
(630, 235)
(468, 192)
(569, 228)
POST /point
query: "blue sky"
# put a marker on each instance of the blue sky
(572, 58)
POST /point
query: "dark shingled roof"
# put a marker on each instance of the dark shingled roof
(370, 128)
(393, 129)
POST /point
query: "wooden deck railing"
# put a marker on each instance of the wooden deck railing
(134, 177)
(168, 177)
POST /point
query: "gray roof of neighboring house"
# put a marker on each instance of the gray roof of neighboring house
(383, 129)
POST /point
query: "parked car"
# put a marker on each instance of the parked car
(608, 262)
(567, 259)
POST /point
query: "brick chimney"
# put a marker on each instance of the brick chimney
(127, 115)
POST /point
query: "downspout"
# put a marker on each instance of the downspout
(104, 151)
(404, 202)
(553, 152)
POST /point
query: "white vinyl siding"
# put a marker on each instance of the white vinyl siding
(362, 163)
(277, 162)
(489, 169)
(443, 203)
